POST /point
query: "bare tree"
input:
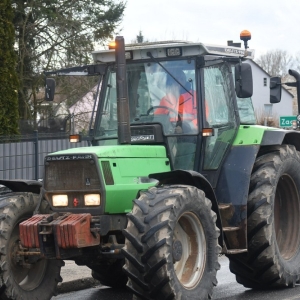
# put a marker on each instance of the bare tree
(276, 62)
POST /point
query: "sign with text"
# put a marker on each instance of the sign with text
(286, 121)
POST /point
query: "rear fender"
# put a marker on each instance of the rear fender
(279, 137)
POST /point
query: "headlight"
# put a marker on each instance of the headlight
(60, 200)
(92, 199)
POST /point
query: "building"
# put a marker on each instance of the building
(266, 112)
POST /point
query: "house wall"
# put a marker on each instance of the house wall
(261, 96)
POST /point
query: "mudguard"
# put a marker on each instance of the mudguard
(193, 178)
(17, 185)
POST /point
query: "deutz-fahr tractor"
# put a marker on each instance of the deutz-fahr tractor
(176, 174)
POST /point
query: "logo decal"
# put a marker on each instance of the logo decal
(75, 202)
(69, 157)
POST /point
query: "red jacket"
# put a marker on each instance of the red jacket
(186, 106)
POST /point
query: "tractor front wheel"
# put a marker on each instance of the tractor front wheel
(23, 277)
(171, 246)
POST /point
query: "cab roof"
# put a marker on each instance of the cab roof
(170, 48)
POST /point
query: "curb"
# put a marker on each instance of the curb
(77, 285)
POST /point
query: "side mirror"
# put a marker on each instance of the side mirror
(243, 80)
(275, 89)
(49, 89)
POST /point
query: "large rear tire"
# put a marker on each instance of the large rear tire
(273, 258)
(21, 279)
(171, 248)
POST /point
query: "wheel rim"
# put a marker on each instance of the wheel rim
(287, 217)
(27, 276)
(189, 232)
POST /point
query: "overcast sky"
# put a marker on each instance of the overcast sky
(274, 24)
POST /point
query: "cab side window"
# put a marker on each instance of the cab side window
(219, 114)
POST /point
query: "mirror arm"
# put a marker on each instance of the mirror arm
(296, 75)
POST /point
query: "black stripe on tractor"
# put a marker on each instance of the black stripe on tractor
(108, 177)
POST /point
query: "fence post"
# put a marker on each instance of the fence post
(36, 154)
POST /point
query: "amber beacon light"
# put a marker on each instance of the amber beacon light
(245, 36)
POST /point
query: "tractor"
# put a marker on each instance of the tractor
(177, 173)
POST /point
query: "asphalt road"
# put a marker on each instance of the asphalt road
(76, 278)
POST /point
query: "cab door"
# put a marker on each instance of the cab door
(220, 114)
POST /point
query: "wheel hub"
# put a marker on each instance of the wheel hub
(189, 250)
(177, 250)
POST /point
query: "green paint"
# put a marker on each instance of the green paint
(118, 151)
(130, 166)
(251, 134)
(128, 174)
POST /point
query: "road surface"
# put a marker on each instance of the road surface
(227, 289)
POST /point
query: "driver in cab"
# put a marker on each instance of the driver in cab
(180, 100)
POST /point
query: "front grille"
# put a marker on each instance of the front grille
(108, 177)
(71, 175)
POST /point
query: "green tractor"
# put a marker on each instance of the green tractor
(176, 173)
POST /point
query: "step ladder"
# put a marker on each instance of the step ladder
(230, 232)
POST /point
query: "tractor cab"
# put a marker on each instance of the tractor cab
(180, 95)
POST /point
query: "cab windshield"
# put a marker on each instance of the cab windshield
(158, 92)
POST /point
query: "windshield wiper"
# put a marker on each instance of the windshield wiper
(149, 54)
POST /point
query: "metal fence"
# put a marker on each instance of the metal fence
(22, 157)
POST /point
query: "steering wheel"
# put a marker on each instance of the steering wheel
(167, 108)
(175, 125)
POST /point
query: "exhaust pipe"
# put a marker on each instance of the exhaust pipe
(296, 84)
(124, 136)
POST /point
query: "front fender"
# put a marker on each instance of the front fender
(15, 185)
(197, 180)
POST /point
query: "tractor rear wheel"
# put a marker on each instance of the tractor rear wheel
(22, 277)
(273, 258)
(171, 247)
